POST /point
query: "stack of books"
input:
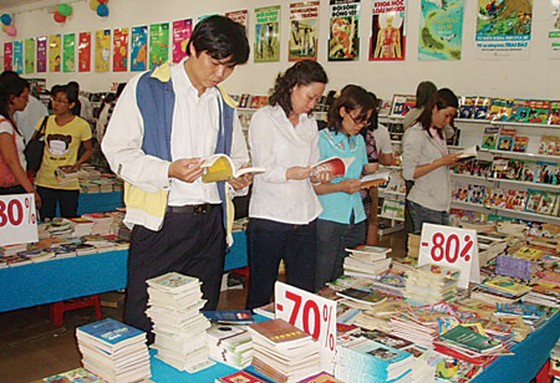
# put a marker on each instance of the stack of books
(231, 345)
(114, 351)
(500, 289)
(101, 223)
(429, 284)
(367, 261)
(366, 299)
(534, 316)
(180, 328)
(490, 245)
(283, 352)
(419, 325)
(81, 226)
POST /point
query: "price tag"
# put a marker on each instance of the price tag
(452, 247)
(310, 313)
(18, 219)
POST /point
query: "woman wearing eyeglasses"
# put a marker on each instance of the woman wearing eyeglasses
(342, 223)
(64, 134)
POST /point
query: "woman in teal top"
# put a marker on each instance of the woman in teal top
(343, 221)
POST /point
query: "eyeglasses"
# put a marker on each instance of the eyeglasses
(60, 101)
(364, 123)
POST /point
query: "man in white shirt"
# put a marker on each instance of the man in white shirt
(28, 119)
(164, 123)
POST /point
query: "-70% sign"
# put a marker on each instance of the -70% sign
(18, 219)
(310, 313)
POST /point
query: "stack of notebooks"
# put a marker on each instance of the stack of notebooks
(365, 360)
(429, 284)
(284, 353)
(367, 261)
(180, 328)
(231, 345)
(114, 351)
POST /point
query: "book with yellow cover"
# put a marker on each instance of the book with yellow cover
(220, 167)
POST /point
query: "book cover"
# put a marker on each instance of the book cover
(461, 193)
(220, 167)
(368, 297)
(111, 332)
(520, 144)
(467, 107)
(546, 204)
(476, 194)
(520, 111)
(547, 143)
(230, 316)
(482, 108)
(500, 109)
(174, 282)
(546, 173)
(490, 137)
(337, 166)
(529, 171)
(507, 285)
(554, 117)
(533, 200)
(278, 331)
(506, 138)
(514, 169)
(467, 338)
(401, 104)
(540, 111)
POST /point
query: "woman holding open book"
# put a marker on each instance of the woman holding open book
(343, 222)
(426, 161)
(284, 207)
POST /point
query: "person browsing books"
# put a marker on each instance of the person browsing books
(64, 133)
(14, 92)
(165, 122)
(426, 161)
(343, 222)
(284, 208)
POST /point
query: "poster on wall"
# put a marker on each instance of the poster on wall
(304, 20)
(441, 30)
(388, 32)
(159, 44)
(103, 50)
(17, 62)
(503, 29)
(267, 34)
(29, 55)
(120, 49)
(8, 55)
(554, 32)
(55, 53)
(182, 31)
(84, 52)
(240, 17)
(344, 40)
(69, 53)
(139, 49)
(42, 54)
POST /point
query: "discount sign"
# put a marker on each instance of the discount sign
(310, 313)
(452, 247)
(18, 219)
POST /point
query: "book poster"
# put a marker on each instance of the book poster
(29, 55)
(441, 30)
(388, 33)
(55, 53)
(120, 49)
(84, 52)
(344, 40)
(139, 49)
(8, 55)
(503, 29)
(240, 17)
(182, 31)
(69, 53)
(554, 33)
(103, 50)
(267, 34)
(159, 44)
(42, 54)
(304, 19)
(18, 57)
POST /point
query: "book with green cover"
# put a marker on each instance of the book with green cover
(467, 338)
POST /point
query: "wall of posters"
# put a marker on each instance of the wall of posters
(503, 29)
(441, 30)
(344, 31)
(159, 44)
(84, 52)
(29, 55)
(41, 54)
(554, 33)
(267, 34)
(55, 53)
(103, 50)
(304, 21)
(239, 17)
(69, 53)
(8, 55)
(182, 31)
(120, 49)
(139, 49)
(388, 32)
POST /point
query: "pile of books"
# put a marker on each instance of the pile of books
(180, 328)
(114, 351)
(231, 345)
(367, 261)
(419, 325)
(490, 245)
(500, 289)
(102, 222)
(429, 284)
(284, 353)
(533, 316)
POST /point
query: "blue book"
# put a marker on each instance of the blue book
(110, 335)
(230, 316)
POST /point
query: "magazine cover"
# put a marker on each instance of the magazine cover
(267, 34)
(500, 109)
(482, 108)
(520, 110)
(240, 17)
(55, 53)
(304, 21)
(388, 31)
(533, 200)
(344, 36)
(520, 144)
(402, 103)
(490, 137)
(554, 117)
(506, 138)
(441, 30)
(69, 53)
(103, 50)
(466, 106)
(42, 54)
(29, 55)
(540, 111)
(529, 171)
(8, 55)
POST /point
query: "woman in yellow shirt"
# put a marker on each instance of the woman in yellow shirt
(64, 134)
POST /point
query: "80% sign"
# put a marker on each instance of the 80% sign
(18, 219)
(312, 314)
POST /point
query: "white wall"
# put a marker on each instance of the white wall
(537, 77)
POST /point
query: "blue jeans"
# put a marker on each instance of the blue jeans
(421, 215)
(332, 239)
(268, 242)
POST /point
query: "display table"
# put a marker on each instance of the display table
(99, 202)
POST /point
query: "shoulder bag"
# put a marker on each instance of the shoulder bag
(35, 148)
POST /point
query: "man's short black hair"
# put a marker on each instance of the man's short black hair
(221, 38)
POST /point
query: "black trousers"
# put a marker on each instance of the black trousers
(67, 200)
(188, 243)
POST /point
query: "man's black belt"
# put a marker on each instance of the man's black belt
(192, 209)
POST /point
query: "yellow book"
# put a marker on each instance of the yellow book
(220, 167)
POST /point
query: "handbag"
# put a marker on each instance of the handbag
(35, 148)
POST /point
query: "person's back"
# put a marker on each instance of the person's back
(27, 119)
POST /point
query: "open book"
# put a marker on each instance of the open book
(337, 166)
(65, 175)
(220, 167)
(375, 179)
(468, 153)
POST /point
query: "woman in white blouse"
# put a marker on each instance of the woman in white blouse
(283, 137)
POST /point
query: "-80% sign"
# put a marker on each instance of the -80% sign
(18, 219)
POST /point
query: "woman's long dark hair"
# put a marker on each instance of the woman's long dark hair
(10, 85)
(303, 73)
(442, 99)
(352, 97)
